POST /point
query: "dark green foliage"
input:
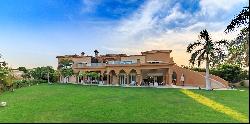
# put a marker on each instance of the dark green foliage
(26, 73)
(65, 67)
(198, 69)
(66, 72)
(230, 72)
(41, 73)
(241, 19)
(65, 63)
(238, 49)
(25, 83)
(244, 75)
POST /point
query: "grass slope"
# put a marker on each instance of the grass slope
(77, 103)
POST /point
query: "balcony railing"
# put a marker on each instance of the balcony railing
(90, 65)
(97, 64)
(104, 64)
(121, 62)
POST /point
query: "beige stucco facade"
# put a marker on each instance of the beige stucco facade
(155, 66)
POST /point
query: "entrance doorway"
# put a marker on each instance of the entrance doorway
(153, 80)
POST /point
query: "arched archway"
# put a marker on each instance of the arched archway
(174, 78)
(122, 77)
(132, 77)
(111, 77)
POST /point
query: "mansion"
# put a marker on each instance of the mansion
(155, 67)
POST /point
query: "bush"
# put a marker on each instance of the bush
(244, 75)
(242, 83)
(19, 83)
(230, 72)
(25, 83)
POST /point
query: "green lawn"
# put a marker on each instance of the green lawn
(77, 103)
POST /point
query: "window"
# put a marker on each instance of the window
(80, 65)
(153, 62)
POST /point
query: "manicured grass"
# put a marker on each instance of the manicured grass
(77, 103)
(237, 100)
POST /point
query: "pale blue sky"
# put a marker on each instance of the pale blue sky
(34, 32)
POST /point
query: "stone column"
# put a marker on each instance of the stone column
(139, 77)
(102, 77)
(128, 81)
(169, 76)
(107, 79)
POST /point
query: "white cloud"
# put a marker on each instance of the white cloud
(213, 7)
(147, 28)
(142, 20)
(89, 5)
(175, 14)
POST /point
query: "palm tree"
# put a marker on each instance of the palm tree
(207, 50)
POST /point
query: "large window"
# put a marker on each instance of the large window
(154, 62)
(80, 65)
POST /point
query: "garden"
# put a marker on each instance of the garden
(78, 103)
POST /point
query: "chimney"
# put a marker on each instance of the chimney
(82, 53)
(96, 53)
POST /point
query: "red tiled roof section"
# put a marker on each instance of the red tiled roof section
(71, 56)
(154, 51)
(112, 55)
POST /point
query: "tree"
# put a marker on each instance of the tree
(4, 72)
(47, 73)
(230, 72)
(44, 73)
(66, 72)
(26, 73)
(241, 19)
(239, 48)
(82, 74)
(65, 63)
(6, 76)
(95, 75)
(54, 77)
(36, 73)
(65, 68)
(207, 50)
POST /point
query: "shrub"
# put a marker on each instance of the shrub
(25, 83)
(19, 83)
(242, 83)
(230, 72)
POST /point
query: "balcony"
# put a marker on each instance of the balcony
(97, 64)
(121, 62)
(84, 65)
